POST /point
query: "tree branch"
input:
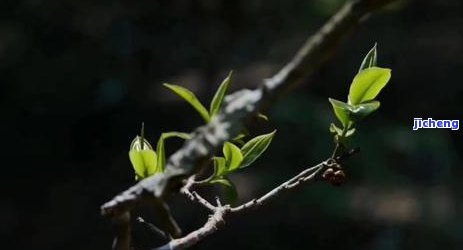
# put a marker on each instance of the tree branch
(321, 46)
(194, 237)
(219, 211)
(291, 183)
(196, 152)
(189, 159)
(154, 229)
(122, 239)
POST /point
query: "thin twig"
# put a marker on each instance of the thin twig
(238, 106)
(203, 201)
(291, 183)
(217, 217)
(211, 226)
(194, 196)
(122, 231)
(154, 229)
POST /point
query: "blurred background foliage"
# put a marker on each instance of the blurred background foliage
(78, 77)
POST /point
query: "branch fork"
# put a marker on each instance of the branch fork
(190, 159)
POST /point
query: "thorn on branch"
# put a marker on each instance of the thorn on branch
(217, 200)
(151, 227)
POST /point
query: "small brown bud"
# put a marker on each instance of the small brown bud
(328, 174)
(338, 178)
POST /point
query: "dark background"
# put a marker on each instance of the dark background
(78, 77)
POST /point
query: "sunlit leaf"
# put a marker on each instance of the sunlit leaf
(341, 110)
(231, 194)
(143, 157)
(222, 181)
(335, 130)
(233, 156)
(137, 163)
(181, 135)
(188, 96)
(254, 148)
(370, 59)
(350, 132)
(360, 111)
(238, 140)
(262, 116)
(367, 84)
(220, 168)
(161, 156)
(216, 102)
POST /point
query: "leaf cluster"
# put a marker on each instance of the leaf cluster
(145, 161)
(237, 154)
(365, 87)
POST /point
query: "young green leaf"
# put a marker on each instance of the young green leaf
(138, 163)
(262, 116)
(341, 110)
(161, 157)
(370, 59)
(335, 130)
(216, 102)
(338, 132)
(238, 140)
(231, 195)
(361, 110)
(142, 157)
(254, 148)
(367, 84)
(150, 160)
(220, 167)
(181, 135)
(223, 181)
(190, 98)
(233, 156)
(239, 136)
(350, 132)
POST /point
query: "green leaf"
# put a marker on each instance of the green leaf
(140, 143)
(370, 59)
(255, 147)
(223, 181)
(143, 157)
(335, 130)
(161, 157)
(233, 156)
(341, 110)
(367, 84)
(181, 135)
(231, 194)
(350, 132)
(240, 136)
(217, 100)
(238, 140)
(361, 110)
(220, 168)
(262, 116)
(190, 98)
(149, 157)
(137, 163)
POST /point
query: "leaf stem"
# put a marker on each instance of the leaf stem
(340, 139)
